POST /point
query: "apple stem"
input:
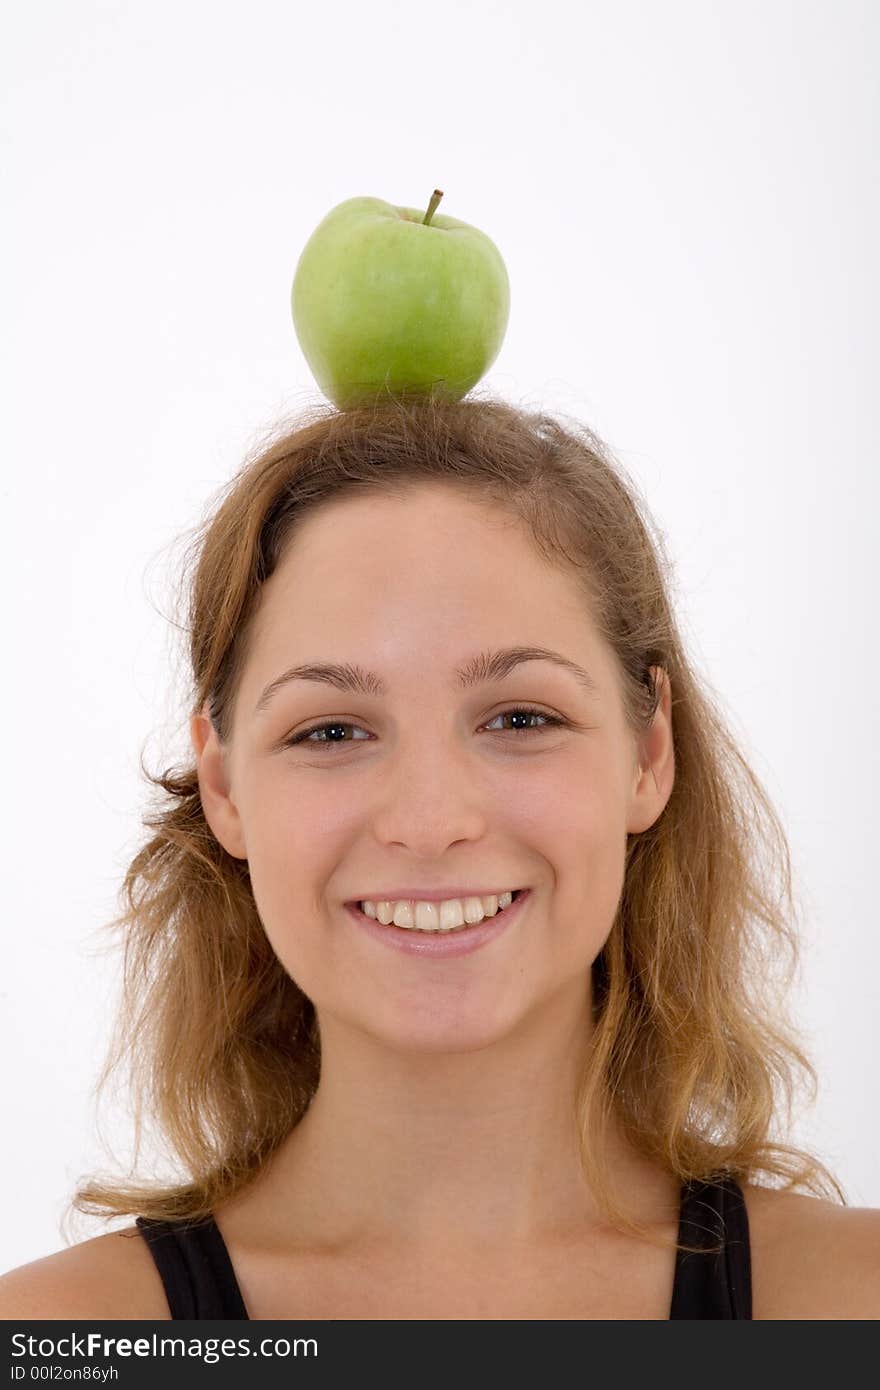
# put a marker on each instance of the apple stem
(432, 207)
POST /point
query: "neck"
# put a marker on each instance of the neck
(427, 1151)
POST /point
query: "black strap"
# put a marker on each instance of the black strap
(713, 1285)
(195, 1269)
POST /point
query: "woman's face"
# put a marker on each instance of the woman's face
(426, 785)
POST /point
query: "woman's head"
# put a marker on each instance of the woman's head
(431, 783)
(412, 541)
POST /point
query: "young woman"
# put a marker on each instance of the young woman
(447, 955)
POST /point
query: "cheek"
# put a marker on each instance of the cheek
(303, 935)
(587, 855)
(291, 859)
(294, 839)
(574, 818)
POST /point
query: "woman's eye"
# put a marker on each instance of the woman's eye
(525, 714)
(324, 735)
(322, 729)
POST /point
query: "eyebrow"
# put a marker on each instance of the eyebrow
(487, 666)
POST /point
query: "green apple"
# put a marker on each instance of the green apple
(391, 299)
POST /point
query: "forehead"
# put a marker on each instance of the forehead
(431, 534)
(430, 577)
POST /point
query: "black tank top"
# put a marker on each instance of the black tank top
(199, 1280)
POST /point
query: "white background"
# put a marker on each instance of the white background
(686, 198)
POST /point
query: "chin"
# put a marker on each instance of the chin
(440, 1034)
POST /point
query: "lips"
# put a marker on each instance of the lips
(438, 945)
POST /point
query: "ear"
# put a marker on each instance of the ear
(655, 775)
(219, 808)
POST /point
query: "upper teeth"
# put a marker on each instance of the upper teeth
(442, 916)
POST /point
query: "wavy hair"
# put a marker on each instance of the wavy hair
(692, 1048)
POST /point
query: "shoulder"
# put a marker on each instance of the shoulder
(109, 1276)
(812, 1259)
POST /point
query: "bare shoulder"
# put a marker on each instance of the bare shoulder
(111, 1276)
(811, 1258)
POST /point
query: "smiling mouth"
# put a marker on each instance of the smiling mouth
(442, 931)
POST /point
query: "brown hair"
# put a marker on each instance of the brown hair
(692, 1048)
